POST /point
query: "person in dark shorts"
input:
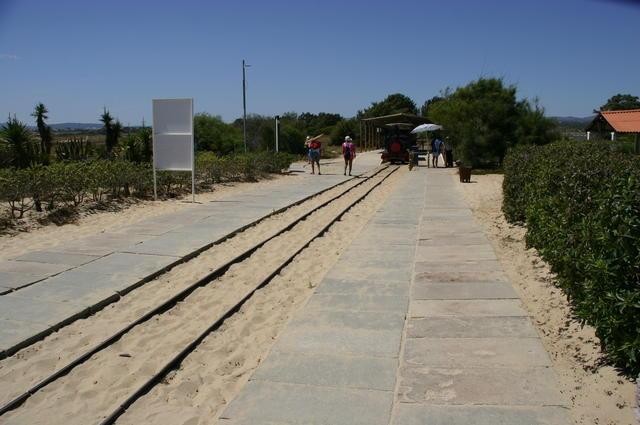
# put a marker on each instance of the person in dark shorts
(348, 153)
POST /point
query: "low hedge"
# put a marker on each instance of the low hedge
(581, 204)
(69, 183)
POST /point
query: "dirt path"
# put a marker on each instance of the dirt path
(596, 393)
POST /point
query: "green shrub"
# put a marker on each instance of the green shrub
(581, 204)
(74, 149)
(15, 189)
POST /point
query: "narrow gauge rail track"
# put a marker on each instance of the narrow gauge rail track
(119, 294)
(182, 295)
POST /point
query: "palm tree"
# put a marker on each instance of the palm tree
(107, 121)
(40, 114)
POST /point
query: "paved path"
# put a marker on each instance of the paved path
(416, 324)
(43, 290)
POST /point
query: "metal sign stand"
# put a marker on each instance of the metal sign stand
(172, 132)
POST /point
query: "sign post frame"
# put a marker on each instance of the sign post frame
(173, 139)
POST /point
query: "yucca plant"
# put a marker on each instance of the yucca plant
(24, 151)
(74, 149)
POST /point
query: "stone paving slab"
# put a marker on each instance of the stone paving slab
(367, 320)
(471, 265)
(471, 327)
(418, 414)
(344, 271)
(102, 244)
(128, 264)
(14, 332)
(475, 352)
(374, 343)
(450, 274)
(427, 308)
(20, 309)
(359, 302)
(489, 386)
(13, 280)
(262, 403)
(462, 290)
(454, 239)
(454, 254)
(32, 268)
(63, 258)
(173, 244)
(362, 287)
(329, 370)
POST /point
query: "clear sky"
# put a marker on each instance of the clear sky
(77, 56)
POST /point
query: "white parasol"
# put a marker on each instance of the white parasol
(426, 127)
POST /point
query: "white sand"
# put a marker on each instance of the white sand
(597, 394)
(95, 389)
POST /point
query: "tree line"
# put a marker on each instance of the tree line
(482, 120)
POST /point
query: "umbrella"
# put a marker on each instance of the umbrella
(426, 127)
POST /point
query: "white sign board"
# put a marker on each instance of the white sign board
(173, 134)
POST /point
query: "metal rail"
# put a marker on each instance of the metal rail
(171, 302)
(177, 360)
(90, 311)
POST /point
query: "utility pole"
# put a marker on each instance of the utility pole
(244, 104)
(277, 130)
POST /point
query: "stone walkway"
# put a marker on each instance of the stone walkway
(416, 324)
(43, 290)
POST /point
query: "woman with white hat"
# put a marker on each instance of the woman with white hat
(348, 153)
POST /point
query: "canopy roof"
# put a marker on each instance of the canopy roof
(385, 120)
(626, 121)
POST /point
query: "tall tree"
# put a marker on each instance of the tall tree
(107, 122)
(40, 114)
(621, 102)
(484, 118)
(393, 104)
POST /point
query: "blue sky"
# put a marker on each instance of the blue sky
(334, 56)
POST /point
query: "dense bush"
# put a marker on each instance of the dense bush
(581, 204)
(69, 183)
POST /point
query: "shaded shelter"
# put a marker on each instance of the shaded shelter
(371, 129)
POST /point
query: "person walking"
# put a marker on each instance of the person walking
(448, 153)
(437, 147)
(306, 146)
(314, 154)
(348, 153)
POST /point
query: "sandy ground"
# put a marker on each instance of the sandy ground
(596, 393)
(35, 362)
(214, 374)
(94, 389)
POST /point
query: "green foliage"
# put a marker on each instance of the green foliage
(393, 104)
(483, 119)
(67, 184)
(581, 204)
(621, 102)
(40, 114)
(15, 190)
(74, 149)
(137, 147)
(112, 131)
(24, 151)
(345, 128)
(212, 134)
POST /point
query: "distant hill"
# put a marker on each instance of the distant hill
(573, 121)
(70, 126)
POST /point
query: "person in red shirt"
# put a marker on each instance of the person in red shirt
(348, 153)
(314, 154)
